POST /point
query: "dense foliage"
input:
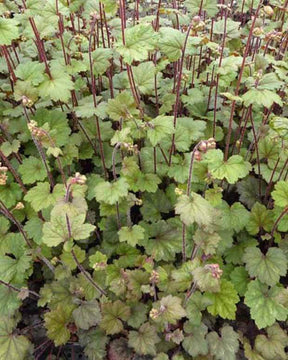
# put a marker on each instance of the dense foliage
(143, 179)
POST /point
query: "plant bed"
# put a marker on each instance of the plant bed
(143, 180)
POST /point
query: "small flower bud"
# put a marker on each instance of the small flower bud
(203, 146)
(19, 206)
(215, 270)
(211, 143)
(178, 191)
(258, 31)
(3, 179)
(154, 313)
(154, 277)
(197, 155)
(268, 10)
(196, 19)
(138, 202)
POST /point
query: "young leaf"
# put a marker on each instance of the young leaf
(56, 322)
(261, 97)
(171, 42)
(195, 343)
(263, 303)
(113, 313)
(168, 310)
(32, 170)
(87, 314)
(267, 268)
(273, 345)
(233, 169)
(12, 345)
(56, 231)
(226, 346)
(144, 340)
(111, 193)
(195, 209)
(280, 194)
(224, 302)
(159, 128)
(8, 31)
(40, 196)
(139, 40)
(58, 87)
(131, 235)
(260, 218)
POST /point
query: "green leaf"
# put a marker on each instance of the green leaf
(132, 235)
(267, 268)
(233, 169)
(280, 194)
(235, 217)
(87, 314)
(9, 301)
(240, 279)
(8, 31)
(260, 218)
(224, 302)
(68, 259)
(15, 269)
(139, 40)
(264, 306)
(113, 313)
(32, 71)
(56, 322)
(143, 182)
(195, 209)
(280, 125)
(171, 42)
(272, 346)
(122, 107)
(168, 310)
(12, 345)
(111, 193)
(164, 240)
(98, 261)
(40, 197)
(144, 340)
(56, 231)
(207, 241)
(101, 57)
(226, 346)
(94, 342)
(8, 148)
(32, 170)
(144, 76)
(261, 97)
(195, 305)
(195, 343)
(159, 128)
(183, 275)
(205, 280)
(210, 6)
(58, 87)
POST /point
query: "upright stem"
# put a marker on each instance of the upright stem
(176, 106)
(246, 51)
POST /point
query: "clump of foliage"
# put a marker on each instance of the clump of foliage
(143, 179)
